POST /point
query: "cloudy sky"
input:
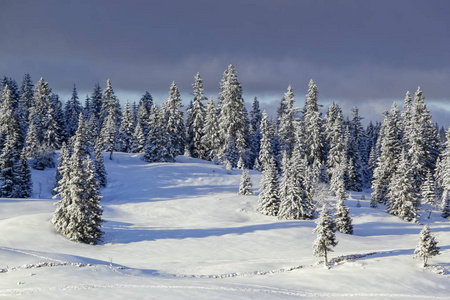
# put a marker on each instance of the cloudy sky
(360, 53)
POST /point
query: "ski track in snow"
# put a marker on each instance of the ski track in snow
(287, 292)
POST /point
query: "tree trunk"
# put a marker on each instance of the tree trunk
(326, 258)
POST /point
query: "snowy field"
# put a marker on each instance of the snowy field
(180, 231)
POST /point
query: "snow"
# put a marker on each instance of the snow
(181, 231)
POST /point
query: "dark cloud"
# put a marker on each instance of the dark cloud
(364, 53)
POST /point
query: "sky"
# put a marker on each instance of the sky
(359, 53)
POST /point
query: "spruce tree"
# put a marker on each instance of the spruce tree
(211, 137)
(286, 121)
(388, 159)
(198, 119)
(312, 125)
(96, 103)
(138, 139)
(443, 177)
(78, 214)
(402, 195)
(99, 166)
(428, 192)
(325, 235)
(172, 120)
(296, 202)
(269, 201)
(126, 130)
(23, 186)
(342, 216)
(245, 185)
(71, 113)
(266, 152)
(427, 246)
(232, 118)
(255, 131)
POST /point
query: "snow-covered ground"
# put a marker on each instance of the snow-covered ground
(180, 231)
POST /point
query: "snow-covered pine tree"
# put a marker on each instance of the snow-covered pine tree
(245, 185)
(126, 130)
(269, 201)
(312, 125)
(443, 177)
(232, 118)
(96, 103)
(63, 159)
(402, 195)
(427, 246)
(100, 172)
(356, 155)
(78, 213)
(87, 108)
(286, 121)
(325, 235)
(428, 192)
(26, 100)
(158, 147)
(110, 106)
(54, 133)
(12, 145)
(71, 113)
(255, 131)
(92, 198)
(296, 198)
(388, 159)
(172, 120)
(342, 217)
(266, 149)
(23, 186)
(197, 117)
(143, 112)
(211, 137)
(138, 139)
(108, 135)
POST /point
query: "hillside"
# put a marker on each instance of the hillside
(180, 231)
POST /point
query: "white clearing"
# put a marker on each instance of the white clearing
(180, 231)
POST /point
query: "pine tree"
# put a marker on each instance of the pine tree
(402, 195)
(268, 203)
(232, 118)
(245, 185)
(266, 149)
(96, 102)
(138, 139)
(108, 135)
(389, 157)
(158, 147)
(427, 246)
(26, 100)
(286, 122)
(172, 120)
(99, 166)
(10, 130)
(110, 106)
(325, 232)
(343, 219)
(63, 160)
(428, 192)
(296, 198)
(312, 125)
(143, 112)
(71, 113)
(443, 177)
(126, 130)
(255, 131)
(23, 186)
(198, 119)
(211, 137)
(78, 213)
